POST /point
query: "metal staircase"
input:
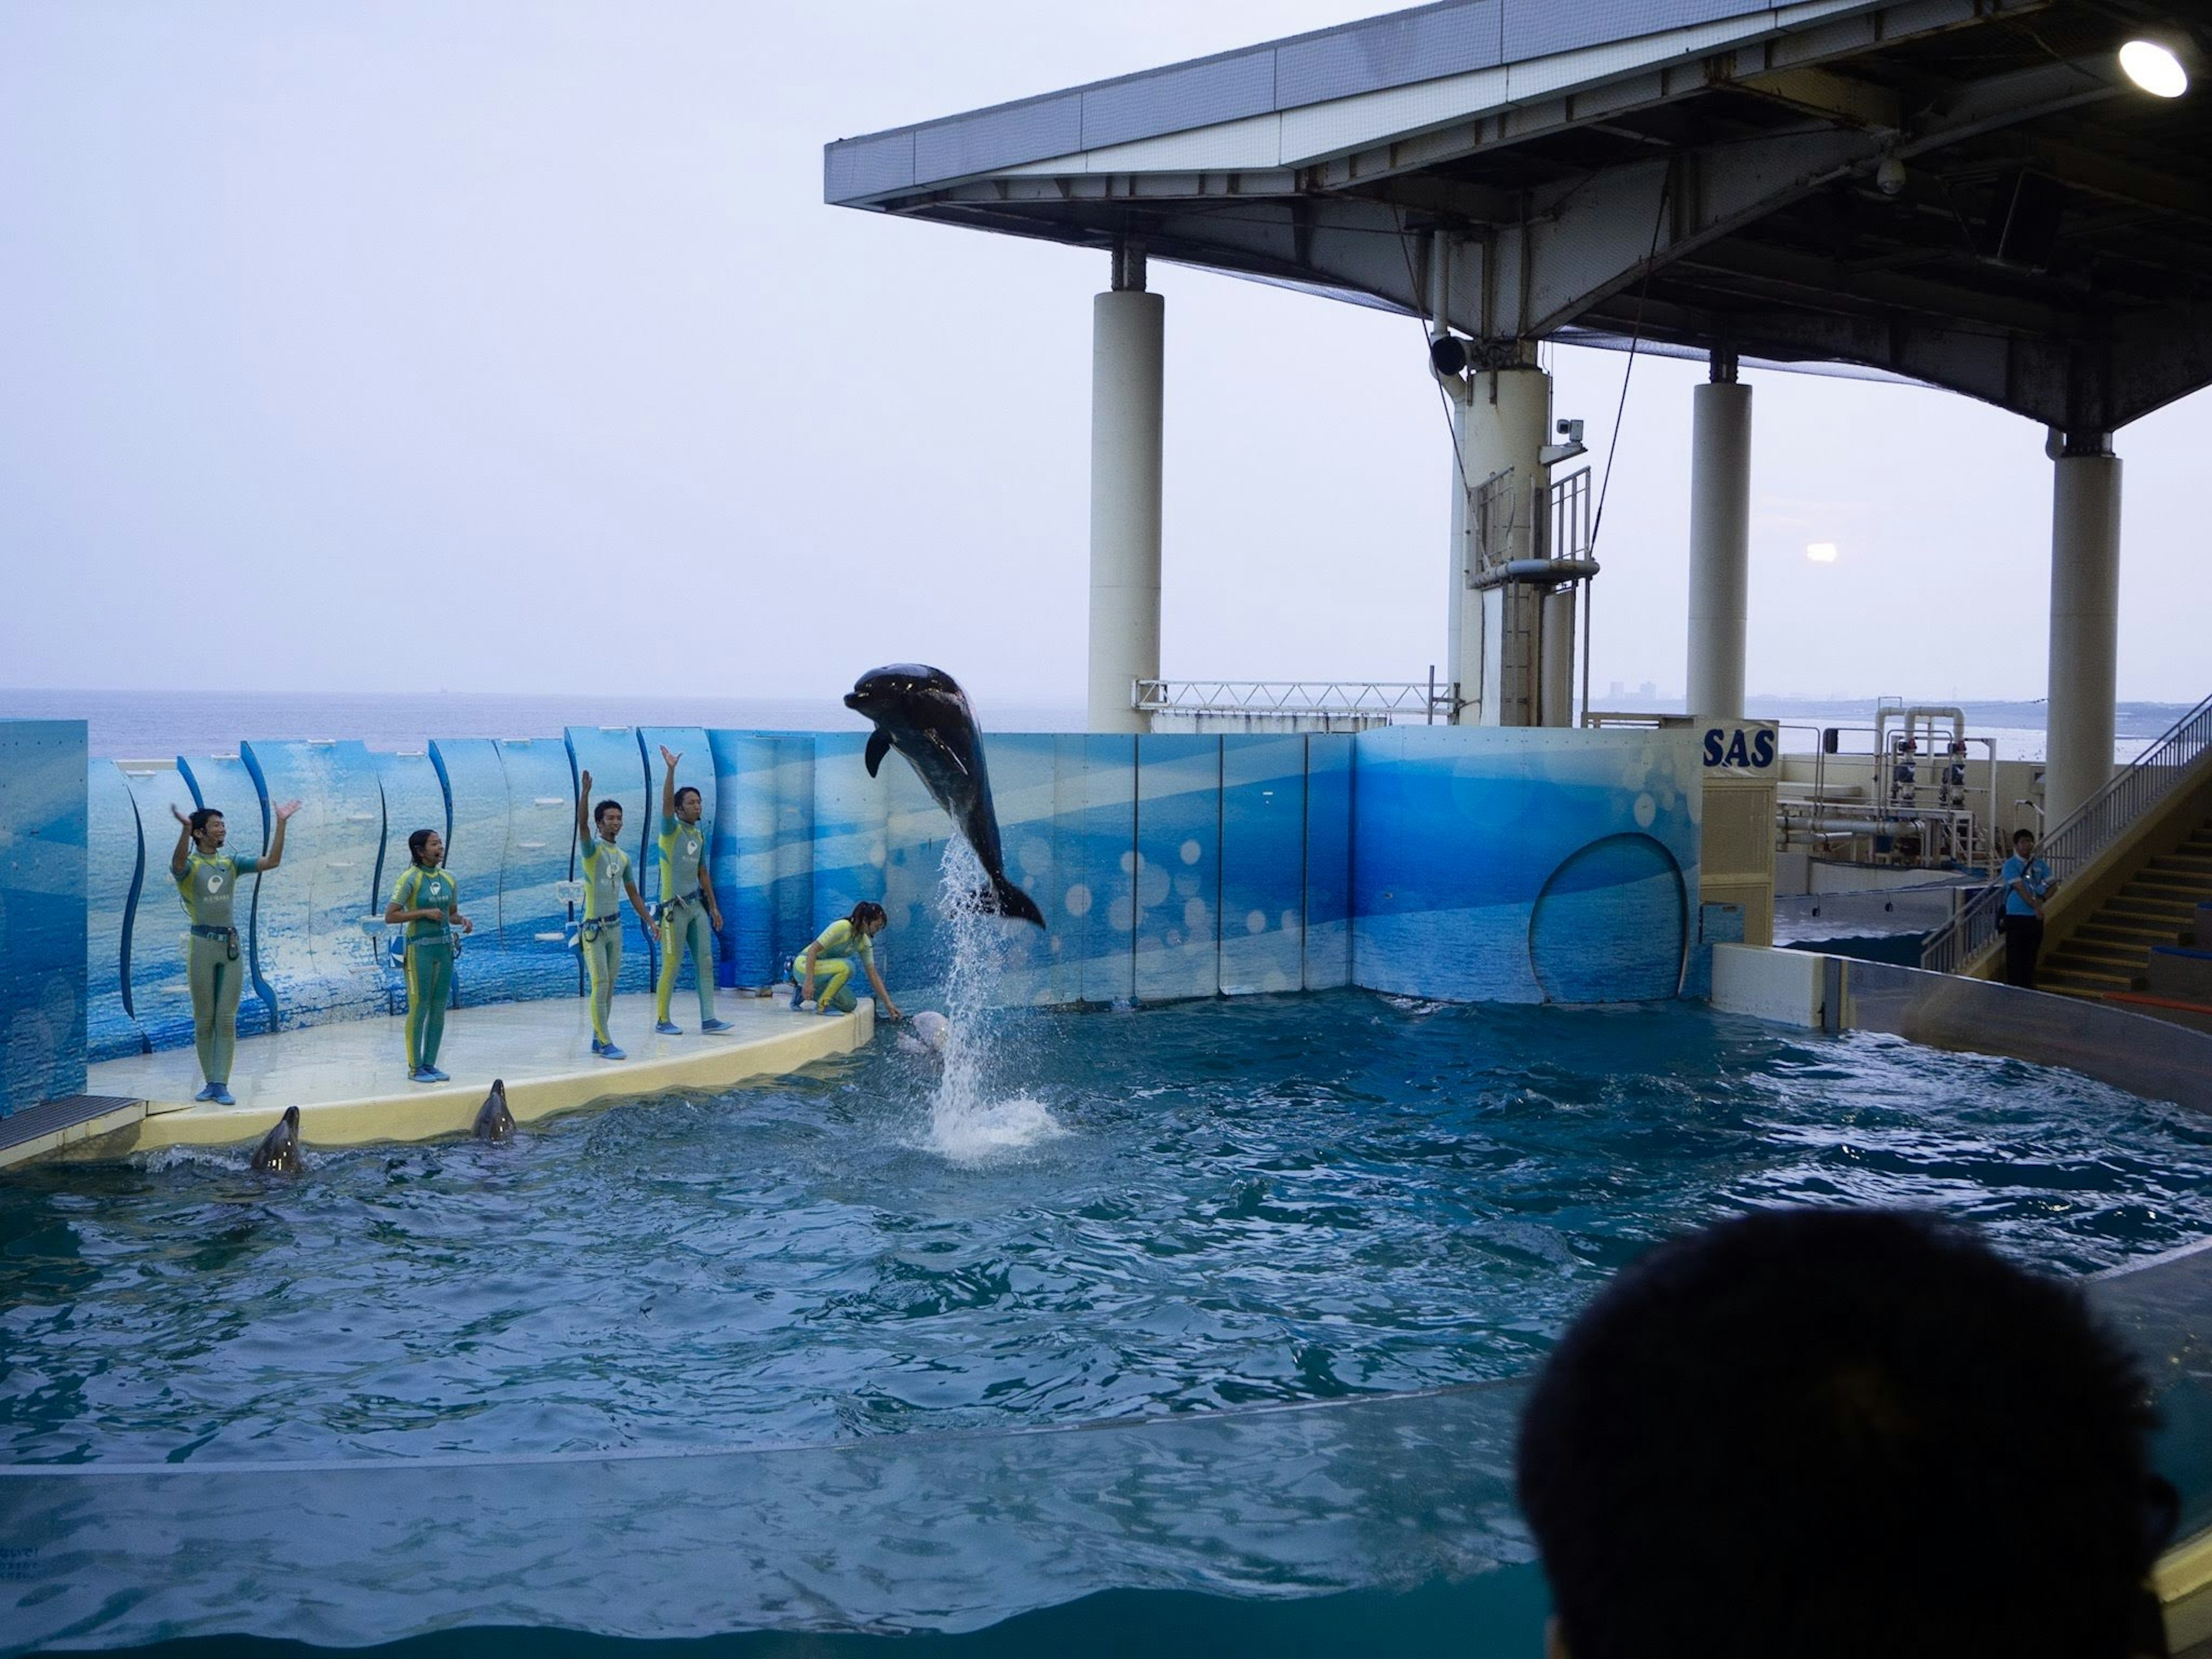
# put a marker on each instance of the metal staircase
(2157, 906)
(2154, 903)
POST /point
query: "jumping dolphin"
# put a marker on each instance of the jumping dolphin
(494, 1120)
(922, 713)
(279, 1150)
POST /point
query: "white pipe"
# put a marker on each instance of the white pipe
(1128, 332)
(1720, 547)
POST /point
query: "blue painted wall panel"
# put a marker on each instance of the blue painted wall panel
(611, 754)
(1178, 867)
(695, 770)
(308, 941)
(475, 782)
(745, 816)
(1328, 861)
(160, 1000)
(796, 855)
(1101, 895)
(533, 959)
(852, 835)
(226, 784)
(1263, 831)
(115, 878)
(44, 824)
(1025, 771)
(1505, 866)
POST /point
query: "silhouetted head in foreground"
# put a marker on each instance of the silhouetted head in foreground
(1816, 1433)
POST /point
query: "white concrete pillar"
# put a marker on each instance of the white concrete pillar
(1720, 543)
(1128, 335)
(2085, 620)
(1504, 421)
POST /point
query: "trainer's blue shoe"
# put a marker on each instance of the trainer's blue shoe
(608, 1051)
(669, 1028)
(421, 1074)
(598, 1047)
(437, 1075)
(207, 1093)
(222, 1096)
(798, 995)
(713, 1025)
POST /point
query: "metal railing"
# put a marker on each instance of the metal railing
(2070, 848)
(1335, 699)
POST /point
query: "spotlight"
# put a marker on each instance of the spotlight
(2154, 69)
(1448, 354)
(1889, 176)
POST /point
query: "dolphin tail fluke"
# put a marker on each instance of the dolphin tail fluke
(1002, 898)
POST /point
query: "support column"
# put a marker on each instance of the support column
(1128, 341)
(2085, 621)
(1501, 486)
(1720, 540)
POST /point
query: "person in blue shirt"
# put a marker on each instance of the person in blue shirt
(2027, 884)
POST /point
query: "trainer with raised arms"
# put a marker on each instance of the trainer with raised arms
(428, 901)
(207, 882)
(687, 899)
(607, 877)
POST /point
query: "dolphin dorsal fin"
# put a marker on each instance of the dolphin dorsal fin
(879, 744)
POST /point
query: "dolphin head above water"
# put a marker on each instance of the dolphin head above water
(279, 1150)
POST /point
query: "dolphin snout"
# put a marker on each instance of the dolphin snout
(852, 701)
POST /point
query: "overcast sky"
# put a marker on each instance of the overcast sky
(510, 347)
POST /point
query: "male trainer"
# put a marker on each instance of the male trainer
(607, 876)
(207, 882)
(687, 899)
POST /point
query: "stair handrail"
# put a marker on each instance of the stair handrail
(2086, 833)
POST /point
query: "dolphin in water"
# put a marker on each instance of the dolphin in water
(279, 1150)
(494, 1121)
(921, 712)
(928, 1033)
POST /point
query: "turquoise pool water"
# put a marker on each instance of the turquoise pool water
(797, 1322)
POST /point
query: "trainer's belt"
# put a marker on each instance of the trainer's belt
(227, 935)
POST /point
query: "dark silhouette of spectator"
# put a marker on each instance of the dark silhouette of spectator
(1856, 1434)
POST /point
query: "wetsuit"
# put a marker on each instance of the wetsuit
(840, 945)
(215, 964)
(606, 875)
(684, 916)
(430, 961)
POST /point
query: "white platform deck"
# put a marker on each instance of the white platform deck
(350, 1079)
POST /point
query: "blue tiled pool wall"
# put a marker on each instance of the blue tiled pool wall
(45, 897)
(1427, 861)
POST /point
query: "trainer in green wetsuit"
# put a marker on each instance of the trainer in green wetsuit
(606, 878)
(832, 955)
(428, 901)
(214, 966)
(687, 899)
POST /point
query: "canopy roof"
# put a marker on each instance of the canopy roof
(1966, 192)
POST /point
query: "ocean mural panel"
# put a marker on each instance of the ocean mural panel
(44, 823)
(115, 881)
(1530, 866)
(309, 940)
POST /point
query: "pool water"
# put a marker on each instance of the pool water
(1169, 1211)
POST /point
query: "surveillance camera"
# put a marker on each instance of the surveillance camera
(1889, 176)
(1570, 430)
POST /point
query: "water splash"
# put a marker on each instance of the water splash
(966, 1124)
